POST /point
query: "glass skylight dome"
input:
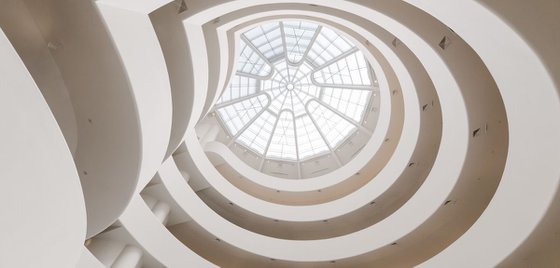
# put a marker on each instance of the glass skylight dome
(300, 90)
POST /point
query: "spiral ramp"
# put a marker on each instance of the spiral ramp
(112, 154)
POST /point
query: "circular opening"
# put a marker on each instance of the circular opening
(301, 92)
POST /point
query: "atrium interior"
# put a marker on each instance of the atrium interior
(281, 134)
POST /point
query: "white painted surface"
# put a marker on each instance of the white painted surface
(129, 257)
(87, 260)
(440, 182)
(161, 211)
(512, 61)
(142, 57)
(531, 177)
(147, 230)
(35, 53)
(377, 186)
(43, 216)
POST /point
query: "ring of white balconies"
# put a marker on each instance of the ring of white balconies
(448, 156)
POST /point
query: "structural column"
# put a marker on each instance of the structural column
(161, 211)
(129, 257)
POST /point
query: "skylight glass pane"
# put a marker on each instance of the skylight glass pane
(267, 39)
(295, 99)
(334, 127)
(306, 89)
(309, 139)
(351, 102)
(250, 62)
(298, 106)
(273, 87)
(239, 114)
(240, 86)
(283, 143)
(256, 136)
(298, 36)
(350, 70)
(277, 104)
(327, 46)
(310, 97)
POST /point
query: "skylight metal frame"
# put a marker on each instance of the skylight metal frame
(301, 76)
(256, 68)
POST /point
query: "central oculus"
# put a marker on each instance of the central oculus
(300, 90)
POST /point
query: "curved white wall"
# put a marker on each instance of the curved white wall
(43, 216)
(97, 95)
